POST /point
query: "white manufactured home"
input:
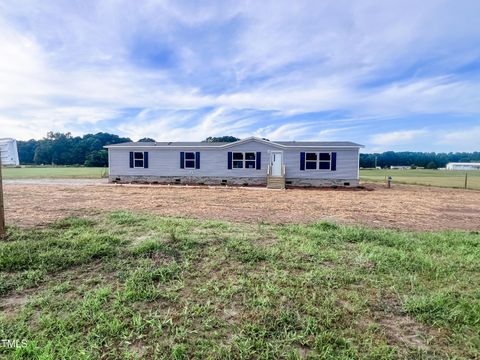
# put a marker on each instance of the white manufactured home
(251, 161)
(463, 166)
(9, 152)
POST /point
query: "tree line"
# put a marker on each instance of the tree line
(87, 150)
(428, 160)
(65, 149)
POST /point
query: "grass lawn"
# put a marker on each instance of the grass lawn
(443, 178)
(138, 286)
(54, 172)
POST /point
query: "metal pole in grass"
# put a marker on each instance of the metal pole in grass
(466, 179)
(2, 209)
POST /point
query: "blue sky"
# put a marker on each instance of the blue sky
(393, 75)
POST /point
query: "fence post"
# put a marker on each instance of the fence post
(2, 208)
(466, 179)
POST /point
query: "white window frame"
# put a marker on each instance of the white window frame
(185, 160)
(318, 161)
(244, 160)
(142, 160)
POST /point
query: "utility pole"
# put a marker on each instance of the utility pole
(2, 208)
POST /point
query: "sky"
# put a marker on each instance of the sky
(392, 75)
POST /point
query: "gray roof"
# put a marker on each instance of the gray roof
(220, 144)
(172, 143)
(317, 143)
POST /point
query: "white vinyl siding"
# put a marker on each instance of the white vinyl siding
(165, 162)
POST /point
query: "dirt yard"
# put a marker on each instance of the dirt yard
(403, 207)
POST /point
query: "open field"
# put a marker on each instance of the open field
(402, 207)
(454, 179)
(443, 178)
(46, 172)
(124, 285)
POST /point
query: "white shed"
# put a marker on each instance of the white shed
(9, 152)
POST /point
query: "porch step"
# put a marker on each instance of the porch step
(276, 182)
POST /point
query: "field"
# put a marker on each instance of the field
(54, 172)
(402, 207)
(92, 270)
(125, 285)
(442, 178)
(453, 179)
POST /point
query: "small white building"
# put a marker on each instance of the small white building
(400, 167)
(463, 166)
(9, 152)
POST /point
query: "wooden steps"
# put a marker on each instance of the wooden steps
(276, 182)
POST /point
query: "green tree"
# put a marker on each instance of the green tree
(227, 138)
(64, 149)
(97, 158)
(26, 151)
(146, 139)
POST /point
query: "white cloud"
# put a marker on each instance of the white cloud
(461, 138)
(397, 137)
(70, 67)
(448, 140)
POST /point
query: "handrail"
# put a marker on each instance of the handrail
(283, 170)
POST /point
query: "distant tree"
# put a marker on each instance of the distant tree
(147, 139)
(26, 151)
(43, 153)
(97, 159)
(64, 149)
(432, 165)
(226, 139)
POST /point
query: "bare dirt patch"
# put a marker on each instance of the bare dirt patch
(403, 207)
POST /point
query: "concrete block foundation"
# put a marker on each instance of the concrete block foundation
(235, 181)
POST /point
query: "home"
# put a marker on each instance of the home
(251, 161)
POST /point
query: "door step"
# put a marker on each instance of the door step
(276, 182)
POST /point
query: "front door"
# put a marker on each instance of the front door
(276, 161)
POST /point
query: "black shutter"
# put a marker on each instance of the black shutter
(302, 161)
(230, 160)
(259, 160)
(197, 160)
(182, 160)
(334, 161)
(131, 159)
(145, 160)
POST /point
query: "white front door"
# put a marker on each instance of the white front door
(276, 161)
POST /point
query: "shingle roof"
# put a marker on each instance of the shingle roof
(172, 143)
(317, 143)
(220, 144)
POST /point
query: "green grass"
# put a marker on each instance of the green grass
(52, 172)
(139, 286)
(452, 179)
(441, 178)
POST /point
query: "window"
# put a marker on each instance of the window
(238, 160)
(189, 160)
(138, 159)
(318, 161)
(247, 160)
(311, 161)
